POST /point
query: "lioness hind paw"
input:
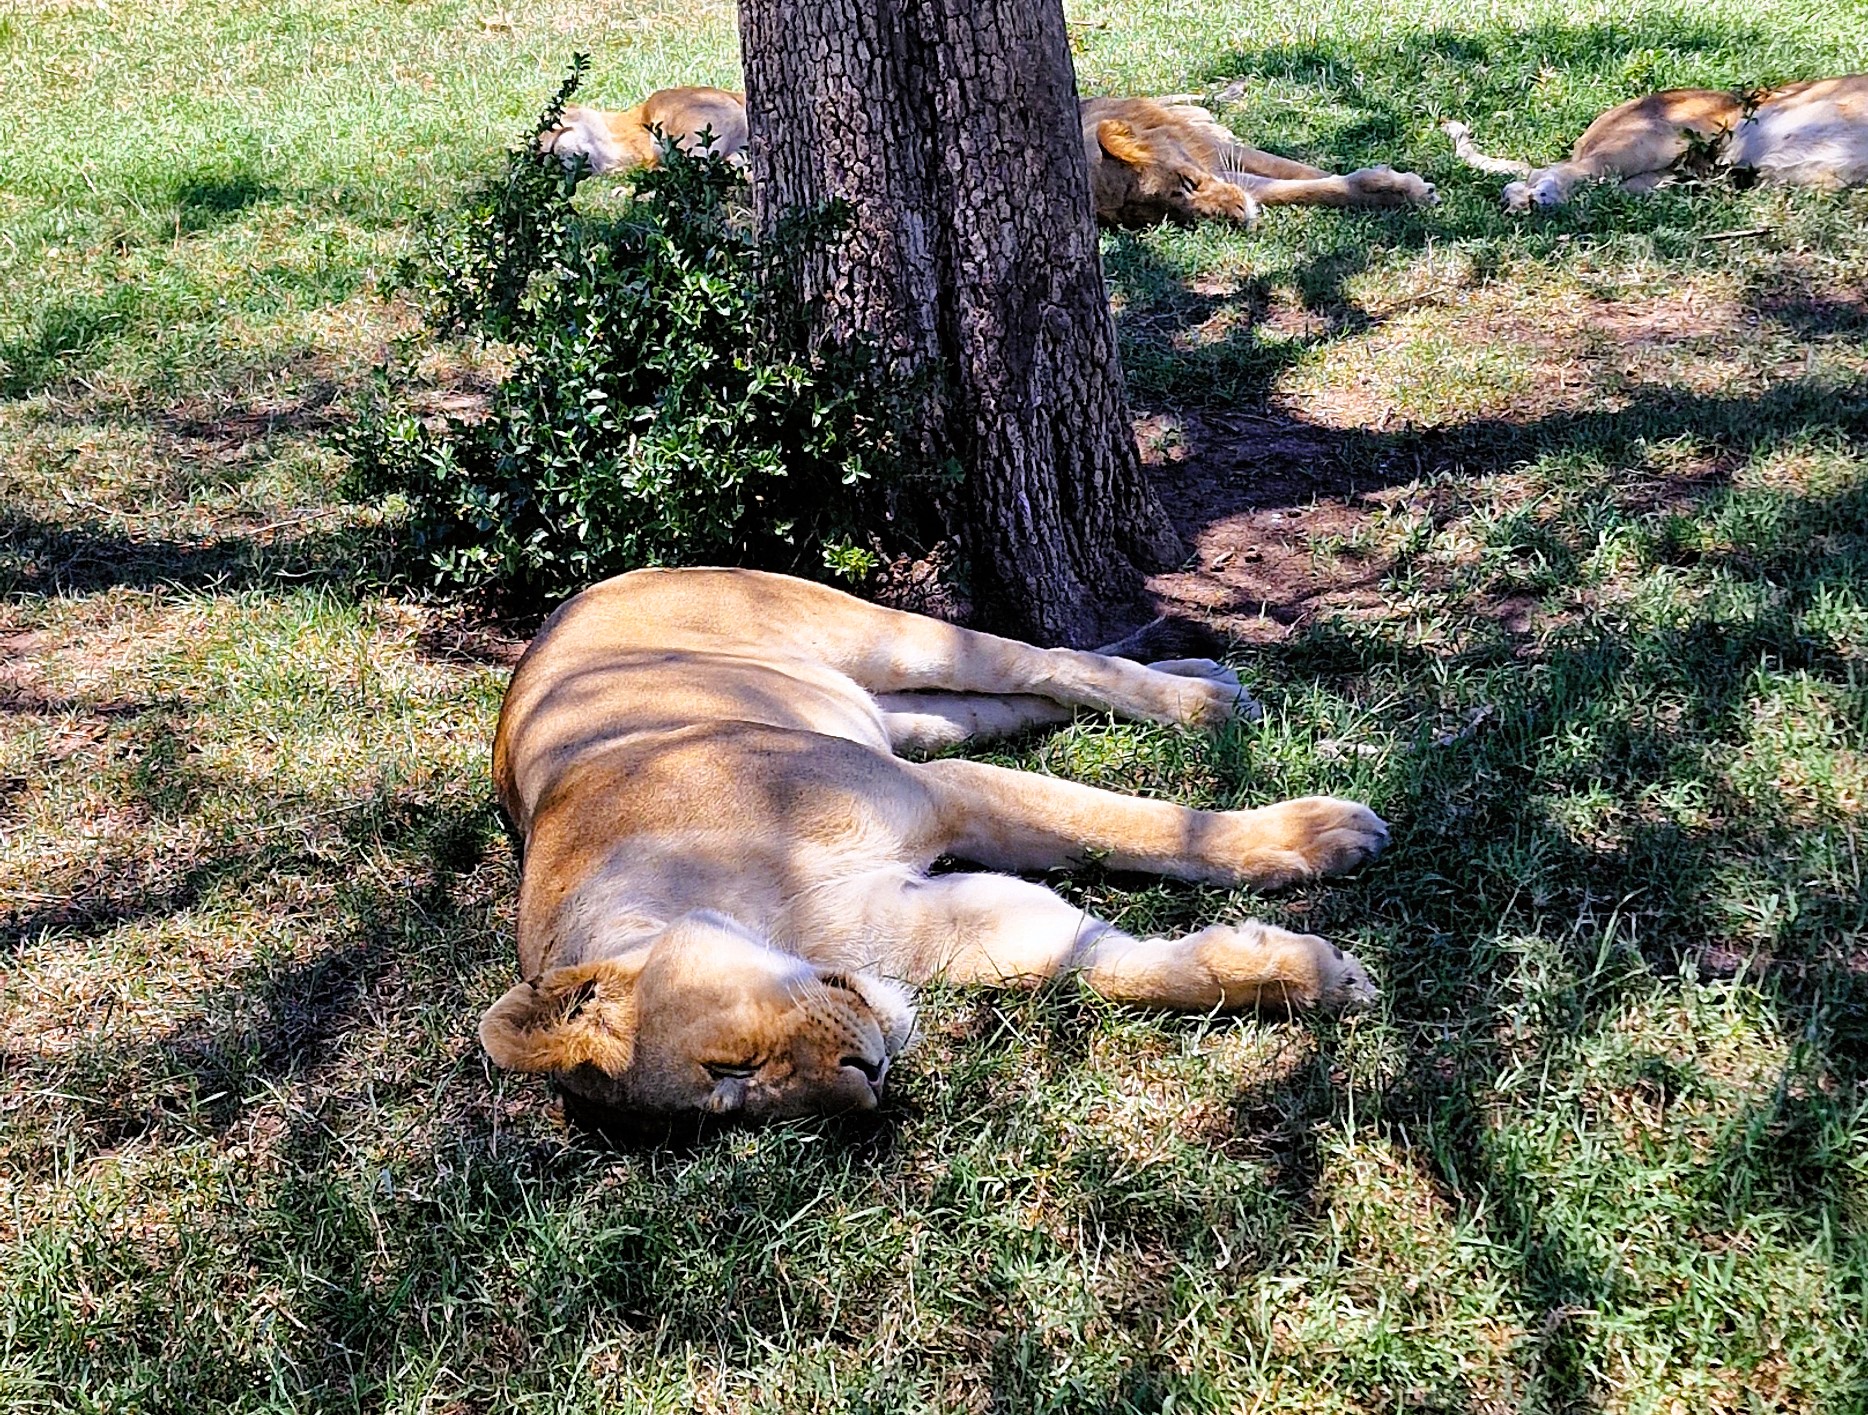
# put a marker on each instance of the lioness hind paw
(1253, 963)
(1347, 986)
(1330, 835)
(1197, 668)
(1219, 700)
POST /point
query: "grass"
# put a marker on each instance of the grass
(1605, 1144)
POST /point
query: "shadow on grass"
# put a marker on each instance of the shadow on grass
(1479, 857)
(68, 336)
(1479, 852)
(281, 1015)
(41, 558)
(213, 196)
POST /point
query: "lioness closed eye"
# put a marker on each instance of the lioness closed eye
(725, 880)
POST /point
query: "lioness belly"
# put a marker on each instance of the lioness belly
(1817, 136)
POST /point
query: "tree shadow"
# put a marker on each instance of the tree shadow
(1468, 822)
(67, 337)
(1185, 345)
(42, 558)
(212, 197)
(283, 1015)
(70, 336)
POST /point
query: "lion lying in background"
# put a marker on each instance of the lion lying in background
(1149, 161)
(626, 141)
(1812, 134)
(1153, 160)
(725, 863)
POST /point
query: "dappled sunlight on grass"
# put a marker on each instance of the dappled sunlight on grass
(1575, 594)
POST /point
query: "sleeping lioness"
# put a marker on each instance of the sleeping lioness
(1154, 159)
(626, 141)
(1150, 160)
(1812, 134)
(725, 862)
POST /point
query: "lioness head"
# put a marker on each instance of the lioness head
(708, 1018)
(1139, 178)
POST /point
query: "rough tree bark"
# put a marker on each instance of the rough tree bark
(950, 127)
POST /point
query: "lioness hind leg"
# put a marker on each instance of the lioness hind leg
(926, 722)
(995, 931)
(908, 653)
(1019, 820)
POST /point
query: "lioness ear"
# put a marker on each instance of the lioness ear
(565, 1018)
(1118, 139)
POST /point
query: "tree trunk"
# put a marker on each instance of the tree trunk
(950, 127)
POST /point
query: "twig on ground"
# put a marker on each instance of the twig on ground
(1334, 748)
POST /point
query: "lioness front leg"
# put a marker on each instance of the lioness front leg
(924, 722)
(1366, 186)
(996, 931)
(1018, 820)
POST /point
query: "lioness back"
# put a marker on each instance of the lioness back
(660, 649)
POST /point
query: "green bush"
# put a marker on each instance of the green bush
(664, 401)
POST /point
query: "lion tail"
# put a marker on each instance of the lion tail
(1464, 150)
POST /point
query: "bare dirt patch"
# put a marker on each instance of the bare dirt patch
(1279, 507)
(1252, 494)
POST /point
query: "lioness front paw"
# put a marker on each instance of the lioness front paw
(1224, 201)
(1254, 964)
(1395, 188)
(1219, 700)
(1315, 835)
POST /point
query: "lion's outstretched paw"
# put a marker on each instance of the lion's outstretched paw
(1395, 188)
(1347, 986)
(1329, 835)
(1253, 963)
(1220, 700)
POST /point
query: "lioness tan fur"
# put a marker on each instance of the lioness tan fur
(626, 141)
(1154, 160)
(725, 861)
(1149, 161)
(1812, 134)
